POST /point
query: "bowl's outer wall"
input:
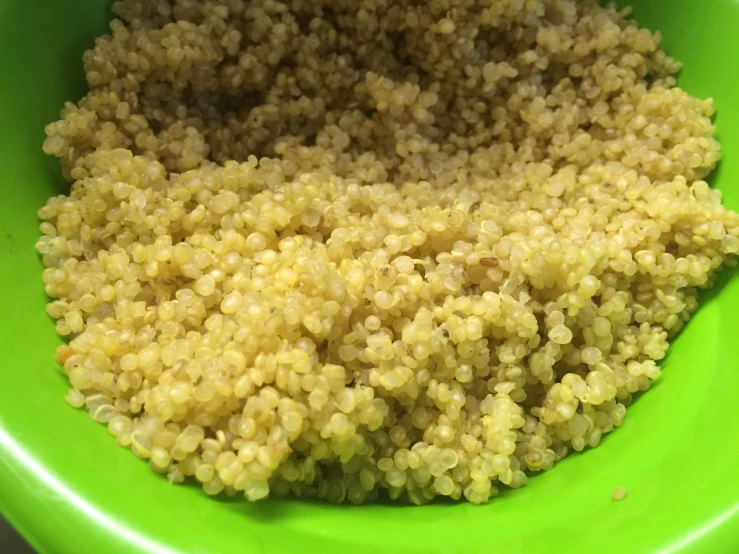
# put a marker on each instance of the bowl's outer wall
(68, 488)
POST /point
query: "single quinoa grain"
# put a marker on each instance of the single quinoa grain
(329, 249)
(619, 493)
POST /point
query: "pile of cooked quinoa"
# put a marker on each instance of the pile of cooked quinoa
(350, 249)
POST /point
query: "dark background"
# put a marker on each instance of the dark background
(10, 541)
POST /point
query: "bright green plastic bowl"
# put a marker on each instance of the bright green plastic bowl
(67, 487)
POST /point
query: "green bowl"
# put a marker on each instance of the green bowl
(67, 487)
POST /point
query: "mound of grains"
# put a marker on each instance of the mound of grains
(343, 249)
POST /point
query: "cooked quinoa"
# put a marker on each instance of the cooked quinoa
(331, 249)
(619, 493)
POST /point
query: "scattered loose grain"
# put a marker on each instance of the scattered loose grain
(619, 493)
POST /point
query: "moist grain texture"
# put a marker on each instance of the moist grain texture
(334, 248)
